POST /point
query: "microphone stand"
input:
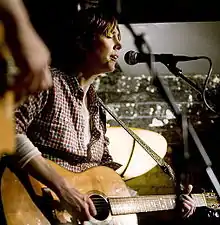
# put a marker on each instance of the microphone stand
(178, 72)
(187, 127)
(139, 42)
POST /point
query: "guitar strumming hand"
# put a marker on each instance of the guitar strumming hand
(76, 203)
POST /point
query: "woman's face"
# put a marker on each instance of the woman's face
(105, 54)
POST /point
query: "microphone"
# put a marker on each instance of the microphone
(132, 58)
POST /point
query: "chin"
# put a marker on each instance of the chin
(111, 68)
(108, 70)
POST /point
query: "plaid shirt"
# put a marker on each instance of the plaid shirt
(52, 120)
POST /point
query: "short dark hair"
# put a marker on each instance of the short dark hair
(69, 34)
(92, 22)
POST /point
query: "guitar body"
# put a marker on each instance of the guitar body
(20, 209)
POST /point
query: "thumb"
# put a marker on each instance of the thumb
(188, 189)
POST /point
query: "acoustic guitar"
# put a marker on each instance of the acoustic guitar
(28, 202)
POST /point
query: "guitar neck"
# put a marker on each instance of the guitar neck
(129, 205)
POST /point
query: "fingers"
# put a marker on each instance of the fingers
(189, 199)
(186, 189)
(188, 209)
(187, 214)
(189, 189)
(92, 208)
(188, 205)
(87, 209)
(80, 206)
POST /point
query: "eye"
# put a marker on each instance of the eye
(109, 36)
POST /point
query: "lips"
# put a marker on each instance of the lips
(114, 57)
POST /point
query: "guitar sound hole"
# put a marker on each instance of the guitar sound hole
(102, 207)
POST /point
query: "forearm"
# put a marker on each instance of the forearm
(29, 158)
(40, 169)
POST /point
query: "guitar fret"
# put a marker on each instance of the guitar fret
(163, 204)
(171, 203)
(157, 204)
(138, 207)
(146, 206)
(199, 199)
(152, 204)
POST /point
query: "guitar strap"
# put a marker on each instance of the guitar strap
(160, 161)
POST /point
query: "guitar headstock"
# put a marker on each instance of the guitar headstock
(212, 200)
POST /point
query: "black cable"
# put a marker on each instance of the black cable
(129, 159)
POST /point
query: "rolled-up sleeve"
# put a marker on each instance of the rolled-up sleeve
(24, 115)
(25, 150)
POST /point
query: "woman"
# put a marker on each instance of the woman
(67, 124)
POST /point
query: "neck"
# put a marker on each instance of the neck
(126, 205)
(85, 80)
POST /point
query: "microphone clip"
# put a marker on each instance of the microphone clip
(171, 65)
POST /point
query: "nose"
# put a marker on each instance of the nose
(118, 45)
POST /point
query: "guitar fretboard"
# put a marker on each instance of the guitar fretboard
(129, 205)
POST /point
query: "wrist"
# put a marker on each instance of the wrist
(60, 186)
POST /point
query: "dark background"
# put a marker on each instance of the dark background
(141, 11)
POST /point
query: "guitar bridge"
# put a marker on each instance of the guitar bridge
(47, 204)
(55, 213)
